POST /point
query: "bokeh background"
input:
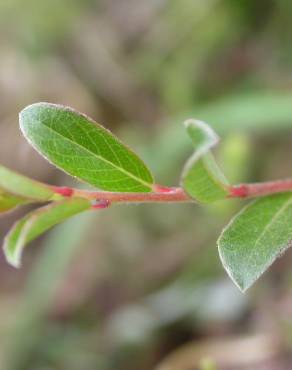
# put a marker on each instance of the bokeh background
(142, 287)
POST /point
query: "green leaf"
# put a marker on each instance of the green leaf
(202, 135)
(202, 178)
(244, 113)
(83, 148)
(10, 201)
(22, 186)
(259, 234)
(37, 222)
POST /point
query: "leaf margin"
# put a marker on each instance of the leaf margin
(202, 156)
(21, 228)
(243, 287)
(62, 108)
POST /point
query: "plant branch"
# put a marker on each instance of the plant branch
(176, 194)
(165, 195)
(260, 189)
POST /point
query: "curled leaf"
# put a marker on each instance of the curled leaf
(37, 222)
(201, 178)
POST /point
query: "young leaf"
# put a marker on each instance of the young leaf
(22, 186)
(259, 234)
(10, 201)
(202, 178)
(83, 148)
(37, 222)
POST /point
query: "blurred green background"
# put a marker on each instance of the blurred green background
(142, 287)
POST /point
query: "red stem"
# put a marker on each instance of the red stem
(260, 189)
(164, 194)
(172, 195)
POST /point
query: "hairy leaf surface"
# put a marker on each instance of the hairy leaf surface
(84, 149)
(259, 234)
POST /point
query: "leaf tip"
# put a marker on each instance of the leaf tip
(241, 284)
(193, 123)
(28, 108)
(33, 109)
(12, 257)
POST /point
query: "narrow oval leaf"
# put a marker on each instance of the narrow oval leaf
(37, 222)
(259, 234)
(84, 149)
(22, 186)
(201, 178)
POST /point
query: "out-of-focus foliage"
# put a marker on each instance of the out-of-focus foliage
(125, 290)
